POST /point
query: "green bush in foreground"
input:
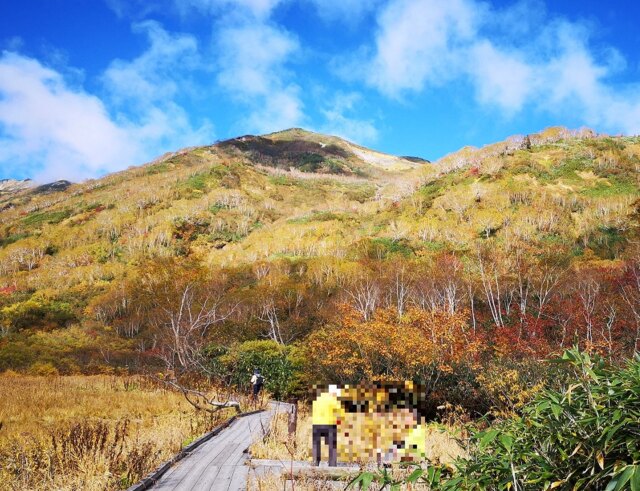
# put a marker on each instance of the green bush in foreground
(583, 437)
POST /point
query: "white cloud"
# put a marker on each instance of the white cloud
(283, 109)
(249, 60)
(148, 87)
(252, 68)
(339, 123)
(252, 57)
(518, 22)
(58, 130)
(576, 80)
(500, 77)
(417, 43)
(68, 131)
(156, 73)
(422, 43)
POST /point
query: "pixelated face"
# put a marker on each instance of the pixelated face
(377, 421)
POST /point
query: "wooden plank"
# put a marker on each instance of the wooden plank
(148, 481)
(301, 468)
(219, 464)
(224, 477)
(211, 459)
(301, 464)
(209, 479)
(238, 478)
(196, 463)
(206, 454)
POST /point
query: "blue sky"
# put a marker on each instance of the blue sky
(88, 87)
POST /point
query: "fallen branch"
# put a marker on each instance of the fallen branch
(190, 393)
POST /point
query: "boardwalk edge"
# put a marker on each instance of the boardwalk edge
(150, 479)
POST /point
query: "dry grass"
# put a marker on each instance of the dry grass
(272, 482)
(279, 446)
(90, 433)
(442, 445)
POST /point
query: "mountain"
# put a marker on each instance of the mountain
(312, 152)
(246, 183)
(316, 202)
(10, 186)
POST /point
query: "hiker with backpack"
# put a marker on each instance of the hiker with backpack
(257, 381)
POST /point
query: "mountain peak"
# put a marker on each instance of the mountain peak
(314, 152)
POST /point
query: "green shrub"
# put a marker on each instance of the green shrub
(584, 436)
(615, 186)
(281, 180)
(385, 247)
(5, 241)
(318, 216)
(157, 168)
(310, 162)
(360, 193)
(429, 192)
(50, 217)
(280, 365)
(216, 208)
(37, 312)
(197, 182)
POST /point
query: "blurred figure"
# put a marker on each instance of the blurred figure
(415, 444)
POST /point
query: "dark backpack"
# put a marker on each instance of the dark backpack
(259, 380)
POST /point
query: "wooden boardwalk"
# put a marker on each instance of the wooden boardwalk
(219, 464)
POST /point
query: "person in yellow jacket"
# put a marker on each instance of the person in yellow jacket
(326, 414)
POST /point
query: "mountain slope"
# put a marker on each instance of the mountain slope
(228, 201)
(315, 201)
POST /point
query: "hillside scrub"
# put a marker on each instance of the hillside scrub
(281, 366)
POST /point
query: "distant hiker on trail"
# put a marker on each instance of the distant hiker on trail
(326, 414)
(257, 381)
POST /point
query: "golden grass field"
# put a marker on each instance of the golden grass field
(90, 432)
(442, 447)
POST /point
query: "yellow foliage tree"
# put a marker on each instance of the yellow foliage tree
(419, 345)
